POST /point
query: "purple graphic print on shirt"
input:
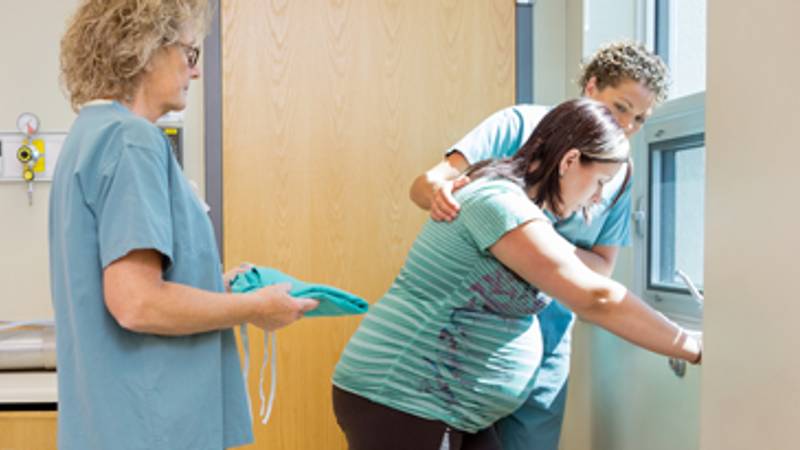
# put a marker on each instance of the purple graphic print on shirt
(500, 294)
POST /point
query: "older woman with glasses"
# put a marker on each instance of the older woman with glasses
(146, 355)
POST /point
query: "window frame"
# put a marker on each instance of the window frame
(655, 201)
(676, 119)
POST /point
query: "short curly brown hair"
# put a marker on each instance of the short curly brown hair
(627, 60)
(108, 43)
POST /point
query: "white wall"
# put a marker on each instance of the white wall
(31, 31)
(751, 373)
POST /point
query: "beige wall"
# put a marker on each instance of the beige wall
(29, 82)
(750, 392)
(32, 86)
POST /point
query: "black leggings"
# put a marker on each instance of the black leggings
(371, 426)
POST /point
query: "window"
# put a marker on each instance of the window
(680, 40)
(676, 211)
(670, 201)
(670, 207)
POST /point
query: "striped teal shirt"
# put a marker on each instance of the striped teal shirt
(456, 337)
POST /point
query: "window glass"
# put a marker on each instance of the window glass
(681, 41)
(677, 204)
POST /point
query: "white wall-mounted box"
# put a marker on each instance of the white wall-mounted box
(11, 168)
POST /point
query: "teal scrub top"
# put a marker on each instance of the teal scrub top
(117, 188)
(505, 131)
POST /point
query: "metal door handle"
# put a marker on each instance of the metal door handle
(639, 217)
(695, 293)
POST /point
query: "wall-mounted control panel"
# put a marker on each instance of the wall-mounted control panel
(174, 133)
(171, 124)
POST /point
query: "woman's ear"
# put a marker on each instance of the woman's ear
(148, 66)
(570, 159)
(590, 90)
(157, 57)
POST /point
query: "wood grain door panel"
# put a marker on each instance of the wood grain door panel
(330, 109)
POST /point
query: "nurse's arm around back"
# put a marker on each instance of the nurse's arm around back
(140, 300)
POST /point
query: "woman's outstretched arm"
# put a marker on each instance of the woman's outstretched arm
(543, 258)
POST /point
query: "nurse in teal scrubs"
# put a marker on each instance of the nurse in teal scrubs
(630, 81)
(146, 355)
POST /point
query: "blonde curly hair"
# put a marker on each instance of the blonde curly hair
(108, 43)
(620, 61)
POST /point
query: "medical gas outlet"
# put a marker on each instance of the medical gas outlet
(28, 155)
(30, 152)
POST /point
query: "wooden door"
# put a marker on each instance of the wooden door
(28, 430)
(330, 108)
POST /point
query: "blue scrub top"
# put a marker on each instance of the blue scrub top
(117, 187)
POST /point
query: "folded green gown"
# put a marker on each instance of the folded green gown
(332, 301)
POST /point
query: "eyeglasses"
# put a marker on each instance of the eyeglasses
(192, 53)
